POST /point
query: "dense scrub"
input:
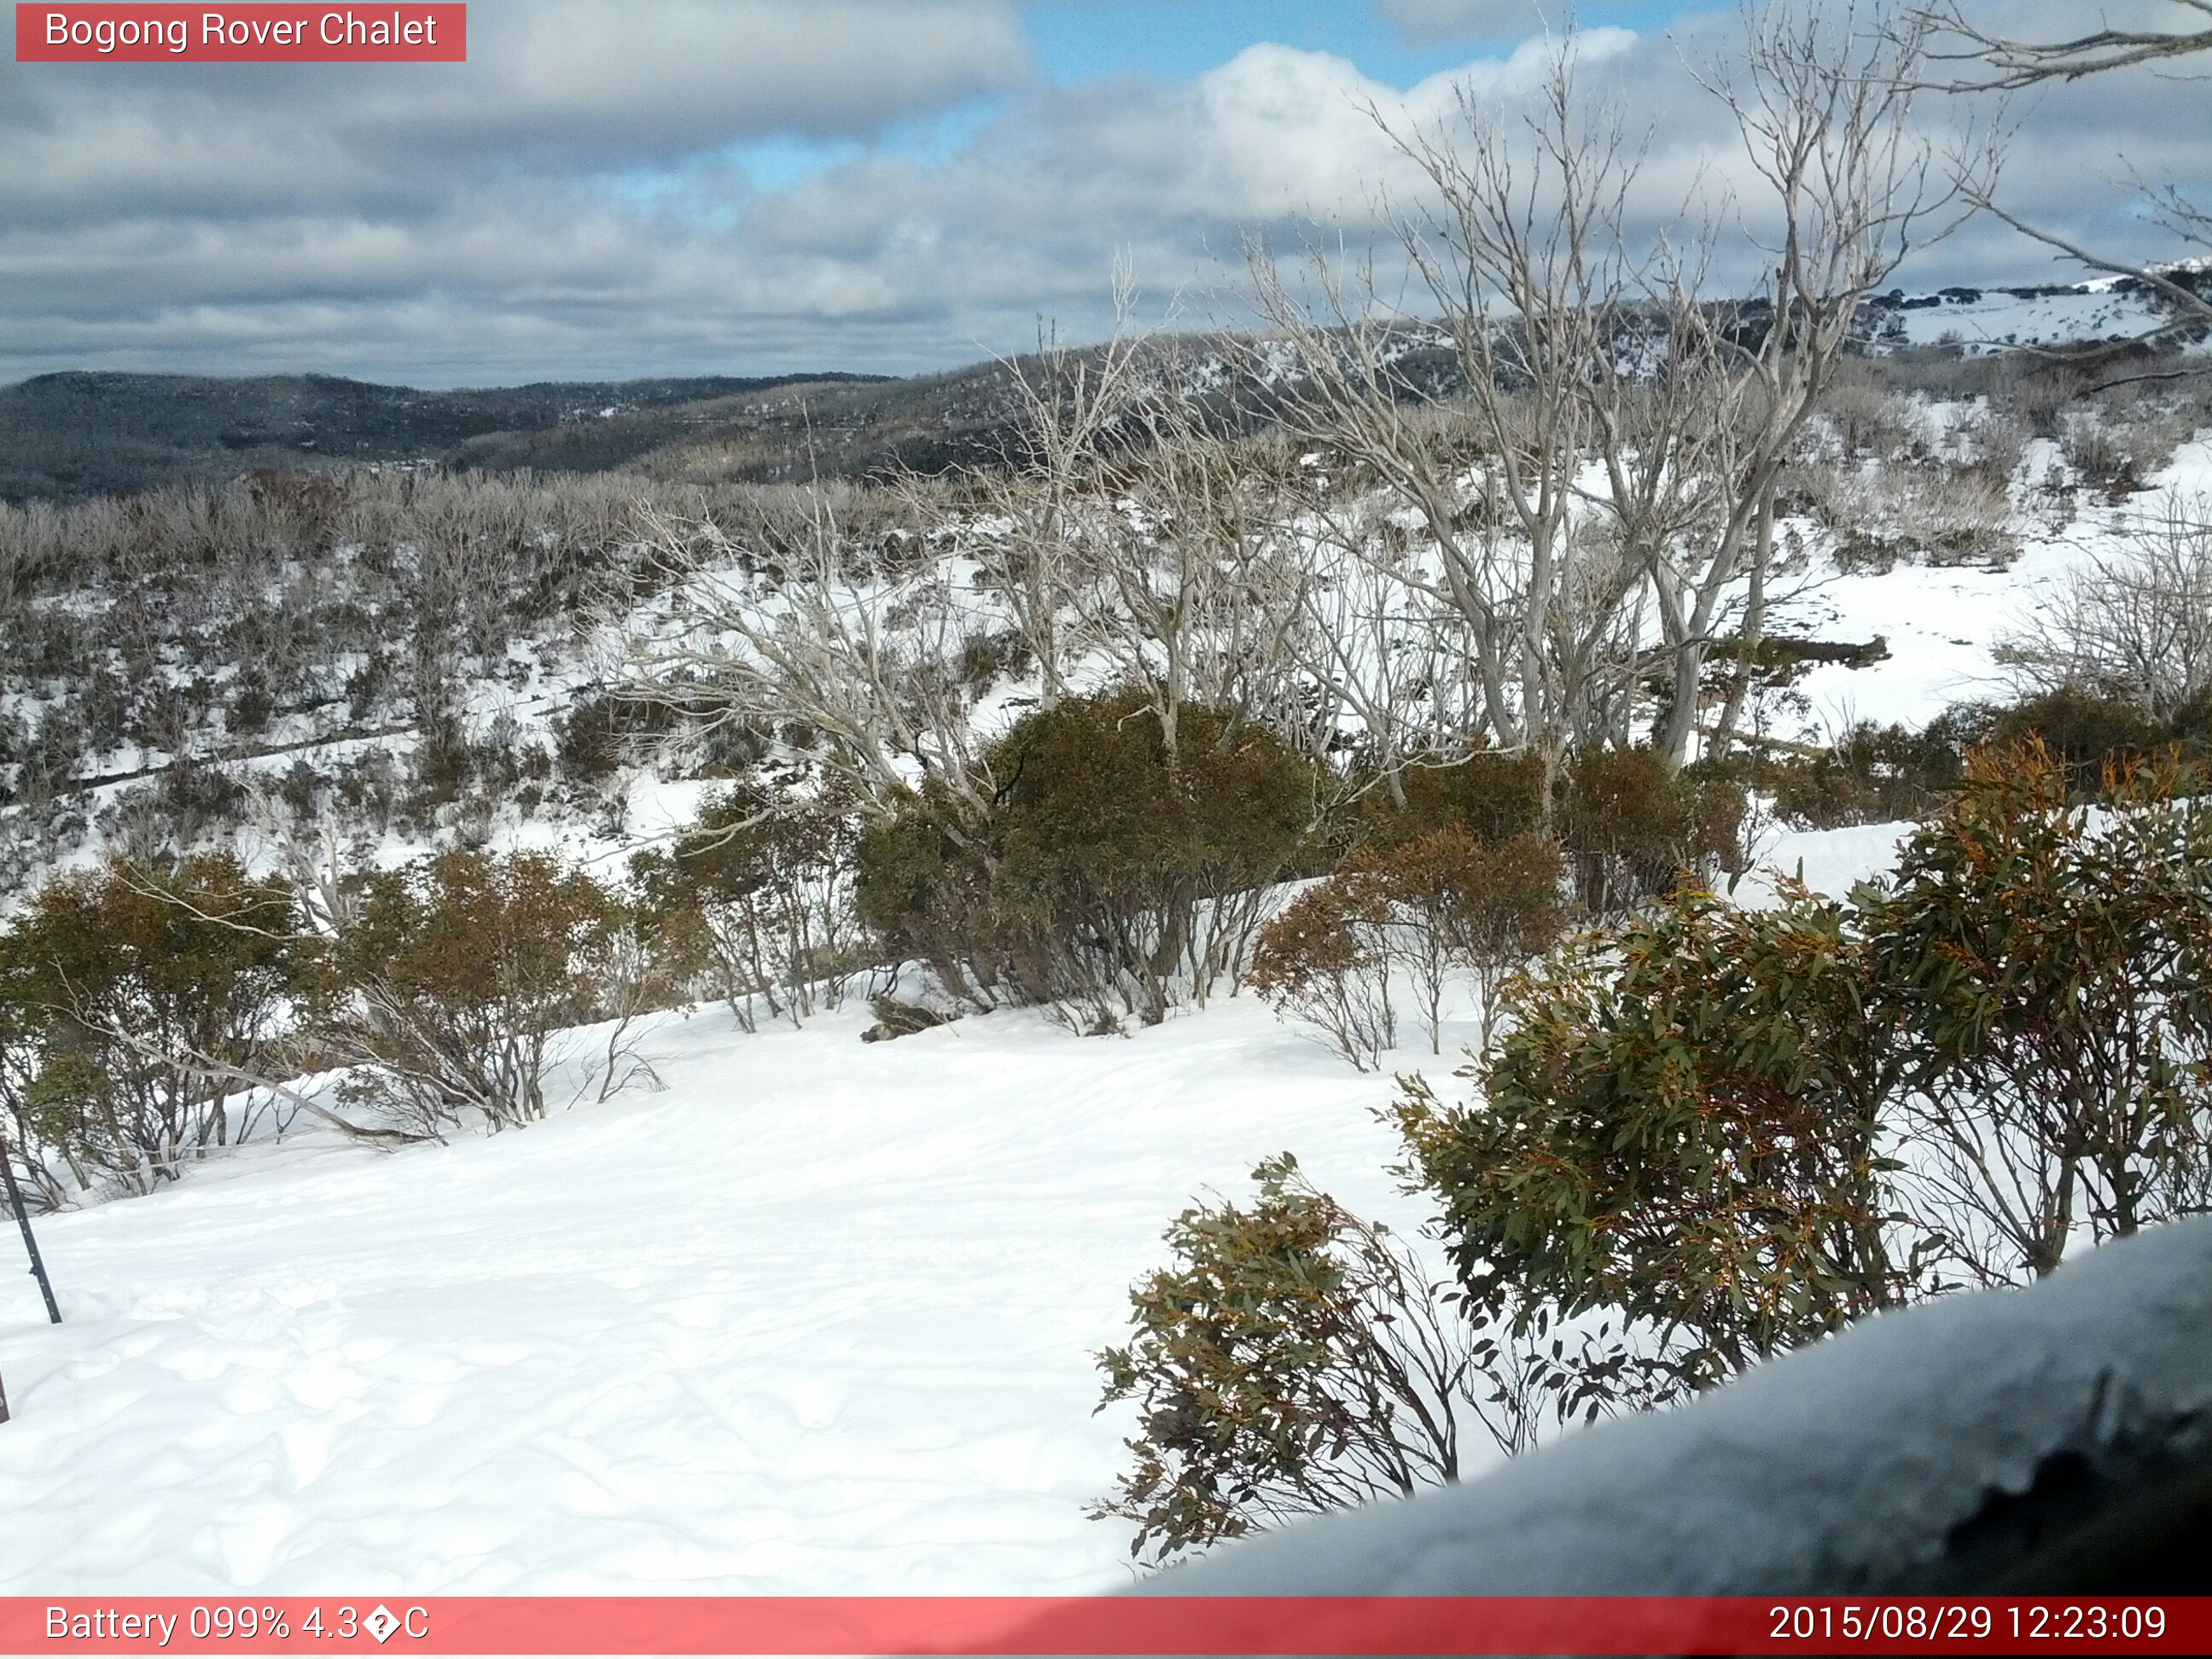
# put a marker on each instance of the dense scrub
(1737, 1130)
(1110, 873)
(151, 1015)
(370, 646)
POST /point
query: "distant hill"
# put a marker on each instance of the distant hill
(64, 437)
(845, 427)
(69, 435)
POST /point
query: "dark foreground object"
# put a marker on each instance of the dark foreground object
(14, 1198)
(2051, 1441)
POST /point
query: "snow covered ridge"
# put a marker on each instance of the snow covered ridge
(1996, 319)
(2053, 1440)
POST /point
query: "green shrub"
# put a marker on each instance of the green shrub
(1878, 774)
(2050, 969)
(1443, 907)
(1682, 1122)
(1326, 960)
(601, 733)
(2083, 731)
(2092, 734)
(1297, 1358)
(1748, 1128)
(758, 894)
(1478, 910)
(132, 1000)
(923, 887)
(252, 704)
(1108, 873)
(1871, 774)
(1489, 796)
(1631, 826)
(449, 982)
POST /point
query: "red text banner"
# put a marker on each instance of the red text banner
(1145, 1625)
(94, 33)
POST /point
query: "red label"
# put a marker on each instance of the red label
(335, 1625)
(86, 33)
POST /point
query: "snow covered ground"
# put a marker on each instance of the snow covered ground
(1942, 622)
(1996, 319)
(819, 1316)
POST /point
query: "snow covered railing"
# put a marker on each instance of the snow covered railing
(2050, 1441)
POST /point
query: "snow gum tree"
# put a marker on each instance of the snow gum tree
(1825, 102)
(2002, 64)
(1041, 545)
(1514, 253)
(1594, 473)
(858, 648)
(2135, 625)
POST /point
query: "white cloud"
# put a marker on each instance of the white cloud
(542, 219)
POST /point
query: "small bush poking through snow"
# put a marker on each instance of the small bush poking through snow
(1296, 1358)
(1327, 960)
(1437, 909)
(450, 984)
(757, 899)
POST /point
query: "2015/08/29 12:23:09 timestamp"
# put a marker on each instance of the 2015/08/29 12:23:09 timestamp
(2033, 1621)
(1292, 1626)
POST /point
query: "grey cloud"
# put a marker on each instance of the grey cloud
(158, 225)
(1436, 20)
(551, 85)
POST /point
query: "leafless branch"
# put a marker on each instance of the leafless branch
(2012, 64)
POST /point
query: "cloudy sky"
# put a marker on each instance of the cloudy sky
(619, 187)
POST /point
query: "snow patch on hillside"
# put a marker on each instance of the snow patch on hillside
(1942, 623)
(1997, 319)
